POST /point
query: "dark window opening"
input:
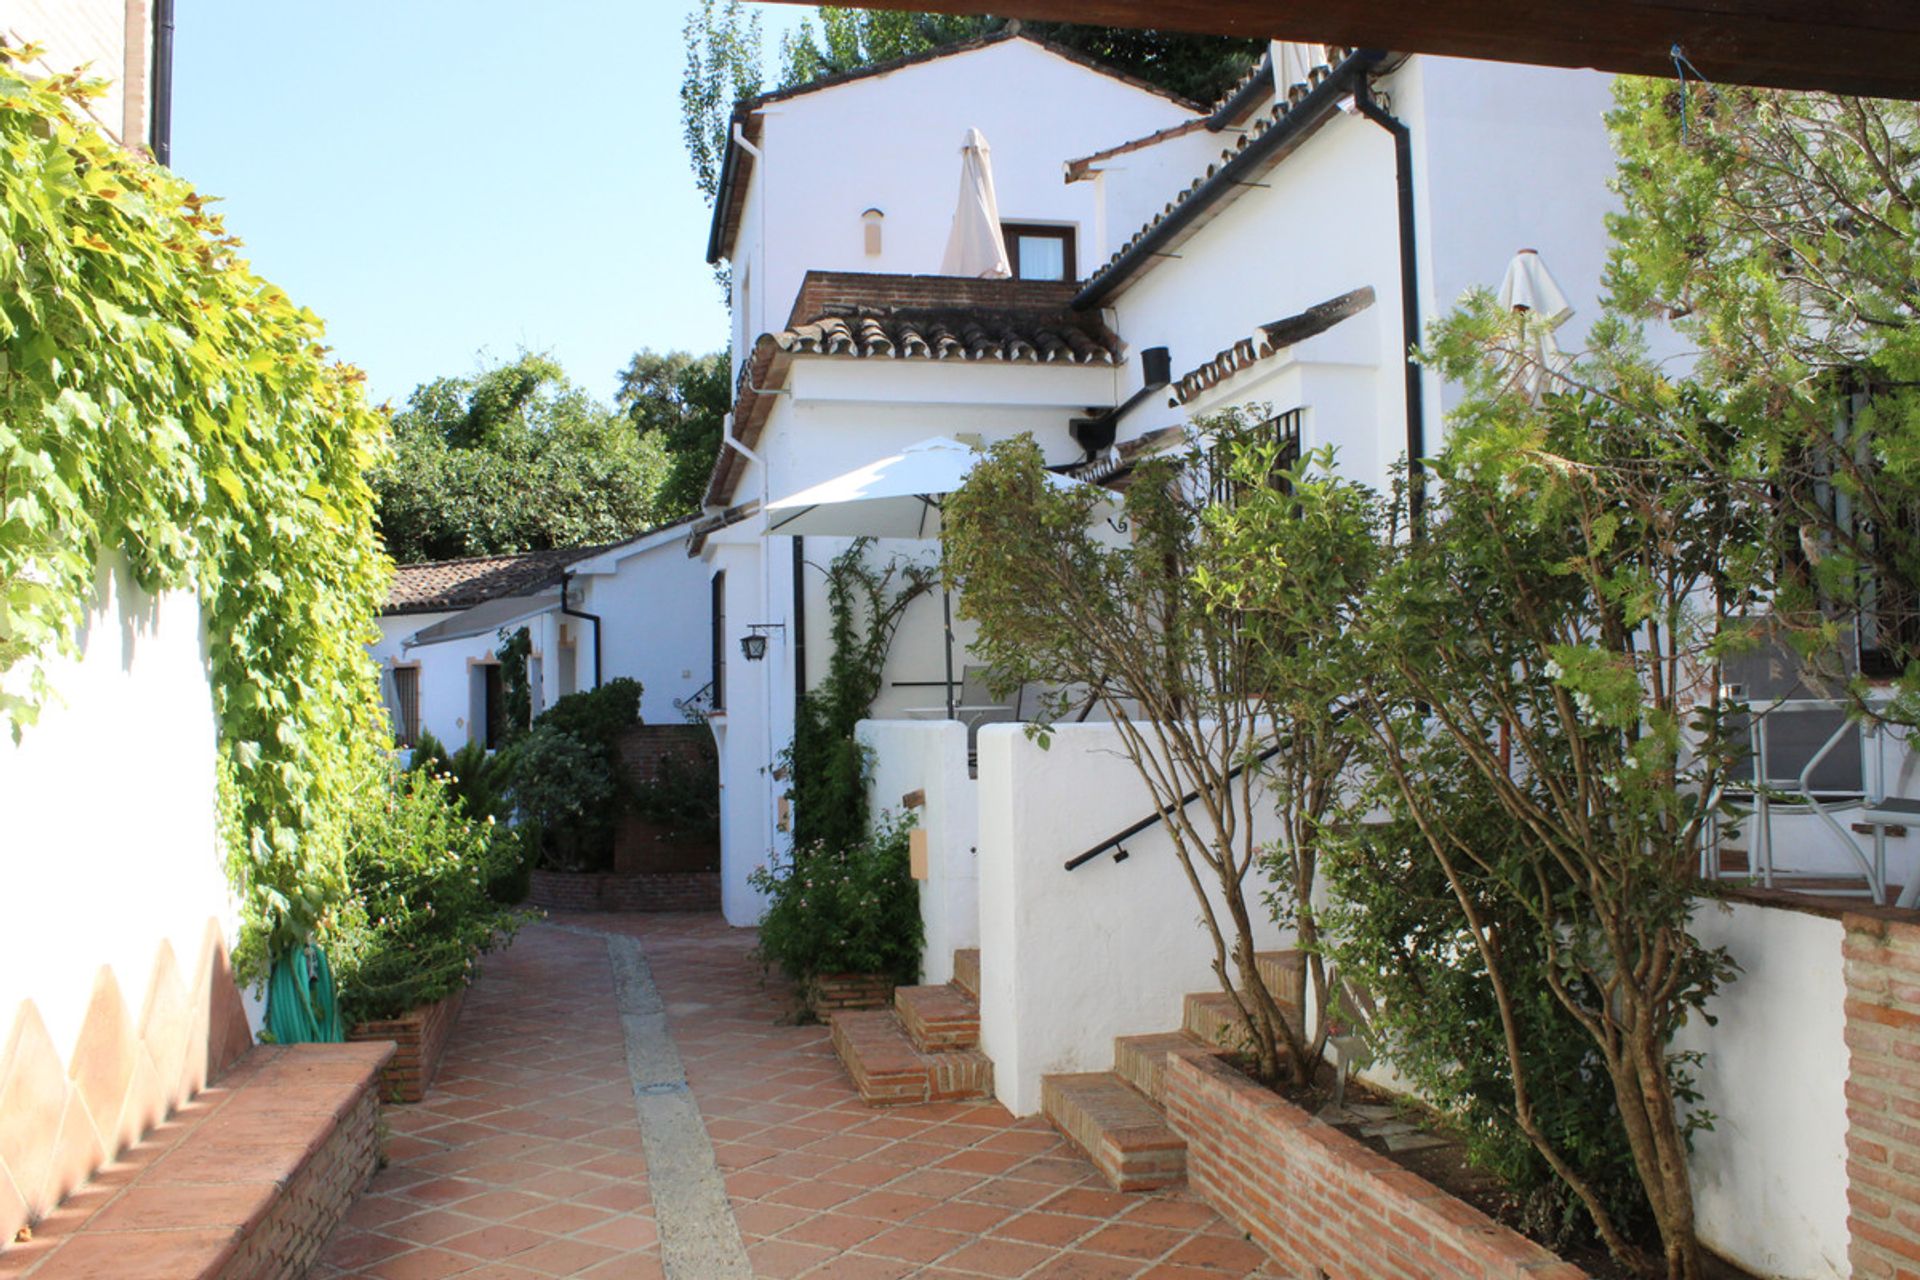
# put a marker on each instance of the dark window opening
(718, 614)
(406, 698)
(1040, 253)
(494, 731)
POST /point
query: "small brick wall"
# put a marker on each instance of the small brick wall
(420, 1041)
(830, 992)
(640, 845)
(287, 1242)
(1882, 953)
(614, 891)
(1324, 1204)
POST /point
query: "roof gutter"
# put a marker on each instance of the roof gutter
(1246, 97)
(566, 585)
(1309, 114)
(723, 191)
(1409, 299)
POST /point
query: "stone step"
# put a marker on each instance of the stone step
(1142, 1060)
(938, 1018)
(966, 971)
(1124, 1135)
(889, 1071)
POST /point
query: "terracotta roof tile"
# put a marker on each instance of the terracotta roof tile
(869, 332)
(1272, 339)
(460, 584)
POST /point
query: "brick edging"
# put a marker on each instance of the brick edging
(624, 891)
(1321, 1201)
(420, 1038)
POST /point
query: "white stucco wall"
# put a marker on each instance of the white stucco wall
(1770, 1179)
(110, 38)
(1069, 960)
(107, 813)
(892, 142)
(932, 758)
(652, 604)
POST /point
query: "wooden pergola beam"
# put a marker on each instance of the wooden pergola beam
(1869, 47)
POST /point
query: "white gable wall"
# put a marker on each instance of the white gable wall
(892, 142)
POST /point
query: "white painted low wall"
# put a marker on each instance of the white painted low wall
(931, 757)
(1770, 1180)
(107, 815)
(1069, 960)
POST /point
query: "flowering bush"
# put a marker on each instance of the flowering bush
(419, 914)
(851, 910)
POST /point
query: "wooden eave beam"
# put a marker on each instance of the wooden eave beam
(1867, 47)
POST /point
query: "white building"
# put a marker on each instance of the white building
(593, 614)
(1270, 268)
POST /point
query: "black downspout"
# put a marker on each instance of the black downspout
(566, 584)
(161, 121)
(799, 622)
(1409, 298)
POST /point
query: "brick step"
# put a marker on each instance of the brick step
(1285, 973)
(938, 1019)
(966, 971)
(889, 1071)
(1123, 1133)
(1142, 1060)
(1211, 1017)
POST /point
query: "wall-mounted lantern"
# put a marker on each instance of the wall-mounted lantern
(753, 645)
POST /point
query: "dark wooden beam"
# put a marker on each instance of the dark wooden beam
(1869, 47)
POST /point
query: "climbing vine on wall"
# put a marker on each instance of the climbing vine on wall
(164, 407)
(828, 767)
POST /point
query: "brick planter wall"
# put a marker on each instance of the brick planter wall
(617, 891)
(420, 1038)
(834, 991)
(287, 1241)
(1324, 1204)
(1882, 954)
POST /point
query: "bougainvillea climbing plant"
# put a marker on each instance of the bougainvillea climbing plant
(164, 408)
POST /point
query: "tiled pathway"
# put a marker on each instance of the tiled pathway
(526, 1159)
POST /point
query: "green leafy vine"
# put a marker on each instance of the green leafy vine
(163, 406)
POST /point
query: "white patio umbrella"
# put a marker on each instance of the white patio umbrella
(1530, 289)
(899, 496)
(975, 246)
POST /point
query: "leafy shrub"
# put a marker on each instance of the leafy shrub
(419, 915)
(564, 798)
(852, 910)
(598, 716)
(476, 777)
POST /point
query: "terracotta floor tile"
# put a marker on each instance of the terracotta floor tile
(529, 1138)
(999, 1258)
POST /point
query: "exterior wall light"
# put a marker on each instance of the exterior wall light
(753, 645)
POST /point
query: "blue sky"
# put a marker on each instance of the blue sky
(444, 178)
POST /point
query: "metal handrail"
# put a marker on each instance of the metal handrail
(1160, 815)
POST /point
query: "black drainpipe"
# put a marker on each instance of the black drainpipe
(161, 123)
(1409, 297)
(566, 584)
(799, 621)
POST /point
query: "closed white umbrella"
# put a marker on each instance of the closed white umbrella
(1530, 290)
(975, 246)
(899, 496)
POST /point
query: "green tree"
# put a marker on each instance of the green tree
(724, 53)
(1776, 231)
(680, 401)
(1060, 606)
(514, 458)
(1600, 557)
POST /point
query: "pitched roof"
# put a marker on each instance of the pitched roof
(737, 167)
(954, 319)
(1273, 339)
(1294, 116)
(460, 584)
